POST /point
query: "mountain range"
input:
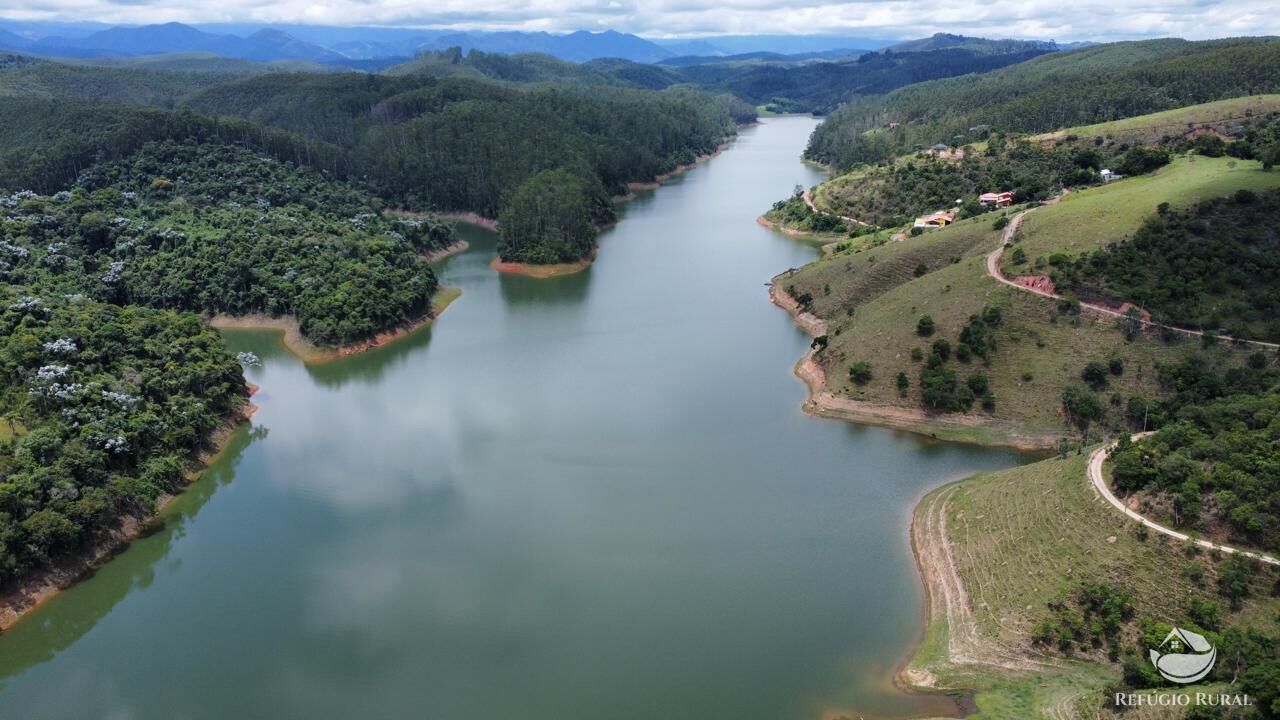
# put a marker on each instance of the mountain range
(374, 48)
(263, 45)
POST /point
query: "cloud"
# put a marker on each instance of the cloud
(1043, 19)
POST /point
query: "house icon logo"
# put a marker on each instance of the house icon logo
(1184, 657)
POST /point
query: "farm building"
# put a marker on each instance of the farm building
(935, 220)
(998, 199)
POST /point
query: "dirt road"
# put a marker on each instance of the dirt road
(1099, 456)
(993, 269)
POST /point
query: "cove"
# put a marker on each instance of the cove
(588, 497)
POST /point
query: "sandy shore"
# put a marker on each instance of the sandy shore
(39, 587)
(831, 238)
(311, 354)
(470, 217)
(951, 427)
(541, 272)
(454, 248)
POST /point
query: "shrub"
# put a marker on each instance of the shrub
(941, 348)
(860, 372)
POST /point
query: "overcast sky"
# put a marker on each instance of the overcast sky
(1062, 20)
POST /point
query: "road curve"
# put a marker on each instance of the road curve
(808, 200)
(1099, 456)
(993, 269)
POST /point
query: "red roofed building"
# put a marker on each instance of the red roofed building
(999, 199)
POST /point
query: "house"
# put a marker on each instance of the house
(935, 220)
(998, 199)
(940, 148)
(893, 125)
(1107, 176)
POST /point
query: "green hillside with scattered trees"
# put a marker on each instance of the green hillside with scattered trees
(1089, 85)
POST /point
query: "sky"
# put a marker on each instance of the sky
(1062, 20)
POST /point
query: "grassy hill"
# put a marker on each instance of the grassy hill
(873, 297)
(1022, 542)
(1040, 166)
(1090, 219)
(1095, 84)
(1224, 115)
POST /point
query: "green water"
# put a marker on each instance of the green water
(584, 498)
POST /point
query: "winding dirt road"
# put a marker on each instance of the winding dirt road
(808, 200)
(1099, 456)
(993, 269)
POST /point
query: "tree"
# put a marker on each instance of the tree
(1233, 578)
(1095, 374)
(1081, 407)
(860, 372)
(941, 348)
(924, 326)
(903, 383)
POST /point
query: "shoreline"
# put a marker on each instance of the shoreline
(454, 248)
(656, 182)
(472, 218)
(765, 222)
(541, 272)
(555, 270)
(468, 216)
(45, 584)
(952, 427)
(310, 354)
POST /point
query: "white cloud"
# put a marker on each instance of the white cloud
(1045, 19)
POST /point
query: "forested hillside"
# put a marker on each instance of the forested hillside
(48, 143)
(22, 76)
(456, 144)
(817, 87)
(215, 228)
(101, 406)
(1213, 266)
(1094, 84)
(822, 87)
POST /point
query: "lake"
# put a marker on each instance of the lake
(582, 498)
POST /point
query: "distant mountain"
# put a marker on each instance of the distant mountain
(760, 57)
(947, 41)
(263, 45)
(13, 41)
(692, 48)
(580, 46)
(783, 44)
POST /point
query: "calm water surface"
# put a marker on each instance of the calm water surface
(584, 498)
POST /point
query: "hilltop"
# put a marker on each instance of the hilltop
(1090, 85)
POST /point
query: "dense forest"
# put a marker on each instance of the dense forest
(416, 141)
(1089, 85)
(98, 416)
(456, 144)
(822, 87)
(1213, 266)
(816, 87)
(216, 228)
